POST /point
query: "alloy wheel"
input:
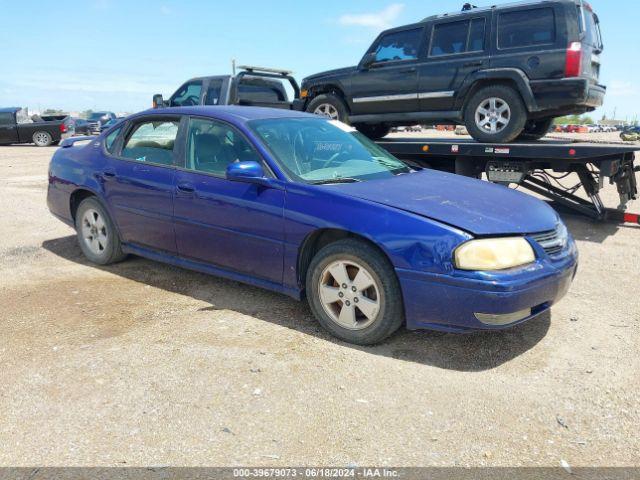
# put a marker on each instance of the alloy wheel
(493, 115)
(349, 294)
(94, 231)
(327, 110)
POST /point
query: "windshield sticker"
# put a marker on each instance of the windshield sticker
(342, 126)
(327, 146)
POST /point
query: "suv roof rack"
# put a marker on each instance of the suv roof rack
(467, 6)
(253, 68)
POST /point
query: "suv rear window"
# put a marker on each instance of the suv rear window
(396, 46)
(458, 37)
(524, 28)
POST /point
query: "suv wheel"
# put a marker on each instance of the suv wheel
(536, 129)
(330, 106)
(375, 131)
(354, 293)
(495, 114)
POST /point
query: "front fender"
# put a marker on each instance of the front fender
(514, 75)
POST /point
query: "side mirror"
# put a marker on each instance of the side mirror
(368, 60)
(247, 172)
(158, 101)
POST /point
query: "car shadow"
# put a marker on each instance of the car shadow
(472, 352)
(586, 229)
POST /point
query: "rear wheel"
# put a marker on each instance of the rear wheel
(97, 234)
(536, 129)
(42, 139)
(330, 106)
(495, 114)
(354, 293)
(374, 131)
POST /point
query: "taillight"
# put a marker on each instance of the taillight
(63, 128)
(573, 66)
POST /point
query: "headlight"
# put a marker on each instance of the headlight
(494, 254)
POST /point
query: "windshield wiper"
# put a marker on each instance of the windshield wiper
(335, 180)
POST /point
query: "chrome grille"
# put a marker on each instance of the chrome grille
(553, 242)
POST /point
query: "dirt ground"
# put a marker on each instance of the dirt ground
(145, 364)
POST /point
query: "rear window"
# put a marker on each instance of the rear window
(248, 92)
(525, 28)
(458, 37)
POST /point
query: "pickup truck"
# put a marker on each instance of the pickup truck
(252, 86)
(17, 127)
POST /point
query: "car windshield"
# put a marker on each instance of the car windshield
(318, 150)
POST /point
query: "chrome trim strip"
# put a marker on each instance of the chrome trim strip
(386, 98)
(436, 94)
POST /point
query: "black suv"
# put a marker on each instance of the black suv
(505, 72)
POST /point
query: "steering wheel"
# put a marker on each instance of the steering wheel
(191, 101)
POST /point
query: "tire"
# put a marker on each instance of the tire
(42, 139)
(509, 122)
(381, 294)
(375, 131)
(329, 105)
(536, 129)
(97, 235)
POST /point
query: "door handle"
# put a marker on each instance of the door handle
(473, 64)
(186, 188)
(109, 173)
(408, 70)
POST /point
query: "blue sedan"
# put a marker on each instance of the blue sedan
(309, 207)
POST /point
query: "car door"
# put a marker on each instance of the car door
(390, 83)
(8, 129)
(234, 226)
(139, 181)
(456, 49)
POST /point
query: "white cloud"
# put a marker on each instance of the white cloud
(380, 20)
(619, 88)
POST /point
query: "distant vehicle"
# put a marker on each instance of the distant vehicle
(630, 134)
(17, 127)
(309, 207)
(594, 128)
(111, 123)
(98, 119)
(505, 72)
(81, 126)
(253, 86)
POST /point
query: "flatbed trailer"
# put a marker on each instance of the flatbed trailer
(543, 167)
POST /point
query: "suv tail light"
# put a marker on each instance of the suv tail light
(573, 66)
(63, 128)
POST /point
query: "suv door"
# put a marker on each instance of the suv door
(390, 83)
(235, 226)
(139, 181)
(456, 49)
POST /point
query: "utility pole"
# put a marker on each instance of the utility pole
(233, 67)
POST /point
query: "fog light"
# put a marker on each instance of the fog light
(505, 319)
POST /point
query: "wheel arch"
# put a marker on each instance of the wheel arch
(329, 88)
(319, 239)
(76, 198)
(510, 77)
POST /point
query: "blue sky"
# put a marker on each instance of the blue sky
(114, 54)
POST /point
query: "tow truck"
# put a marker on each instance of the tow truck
(543, 167)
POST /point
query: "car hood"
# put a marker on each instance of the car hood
(478, 207)
(339, 72)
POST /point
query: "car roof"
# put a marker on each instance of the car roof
(10, 109)
(474, 11)
(231, 112)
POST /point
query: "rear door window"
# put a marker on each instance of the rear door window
(214, 91)
(152, 142)
(398, 46)
(525, 28)
(188, 95)
(453, 38)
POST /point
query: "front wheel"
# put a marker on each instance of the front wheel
(97, 234)
(375, 131)
(495, 114)
(536, 129)
(330, 106)
(42, 139)
(354, 293)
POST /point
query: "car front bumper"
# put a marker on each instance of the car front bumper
(568, 94)
(502, 300)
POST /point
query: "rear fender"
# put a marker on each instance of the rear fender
(495, 75)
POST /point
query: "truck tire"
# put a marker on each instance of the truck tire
(97, 234)
(536, 129)
(42, 139)
(354, 292)
(495, 114)
(330, 106)
(375, 131)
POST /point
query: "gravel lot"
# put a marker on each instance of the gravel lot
(145, 364)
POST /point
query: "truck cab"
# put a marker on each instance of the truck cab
(253, 86)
